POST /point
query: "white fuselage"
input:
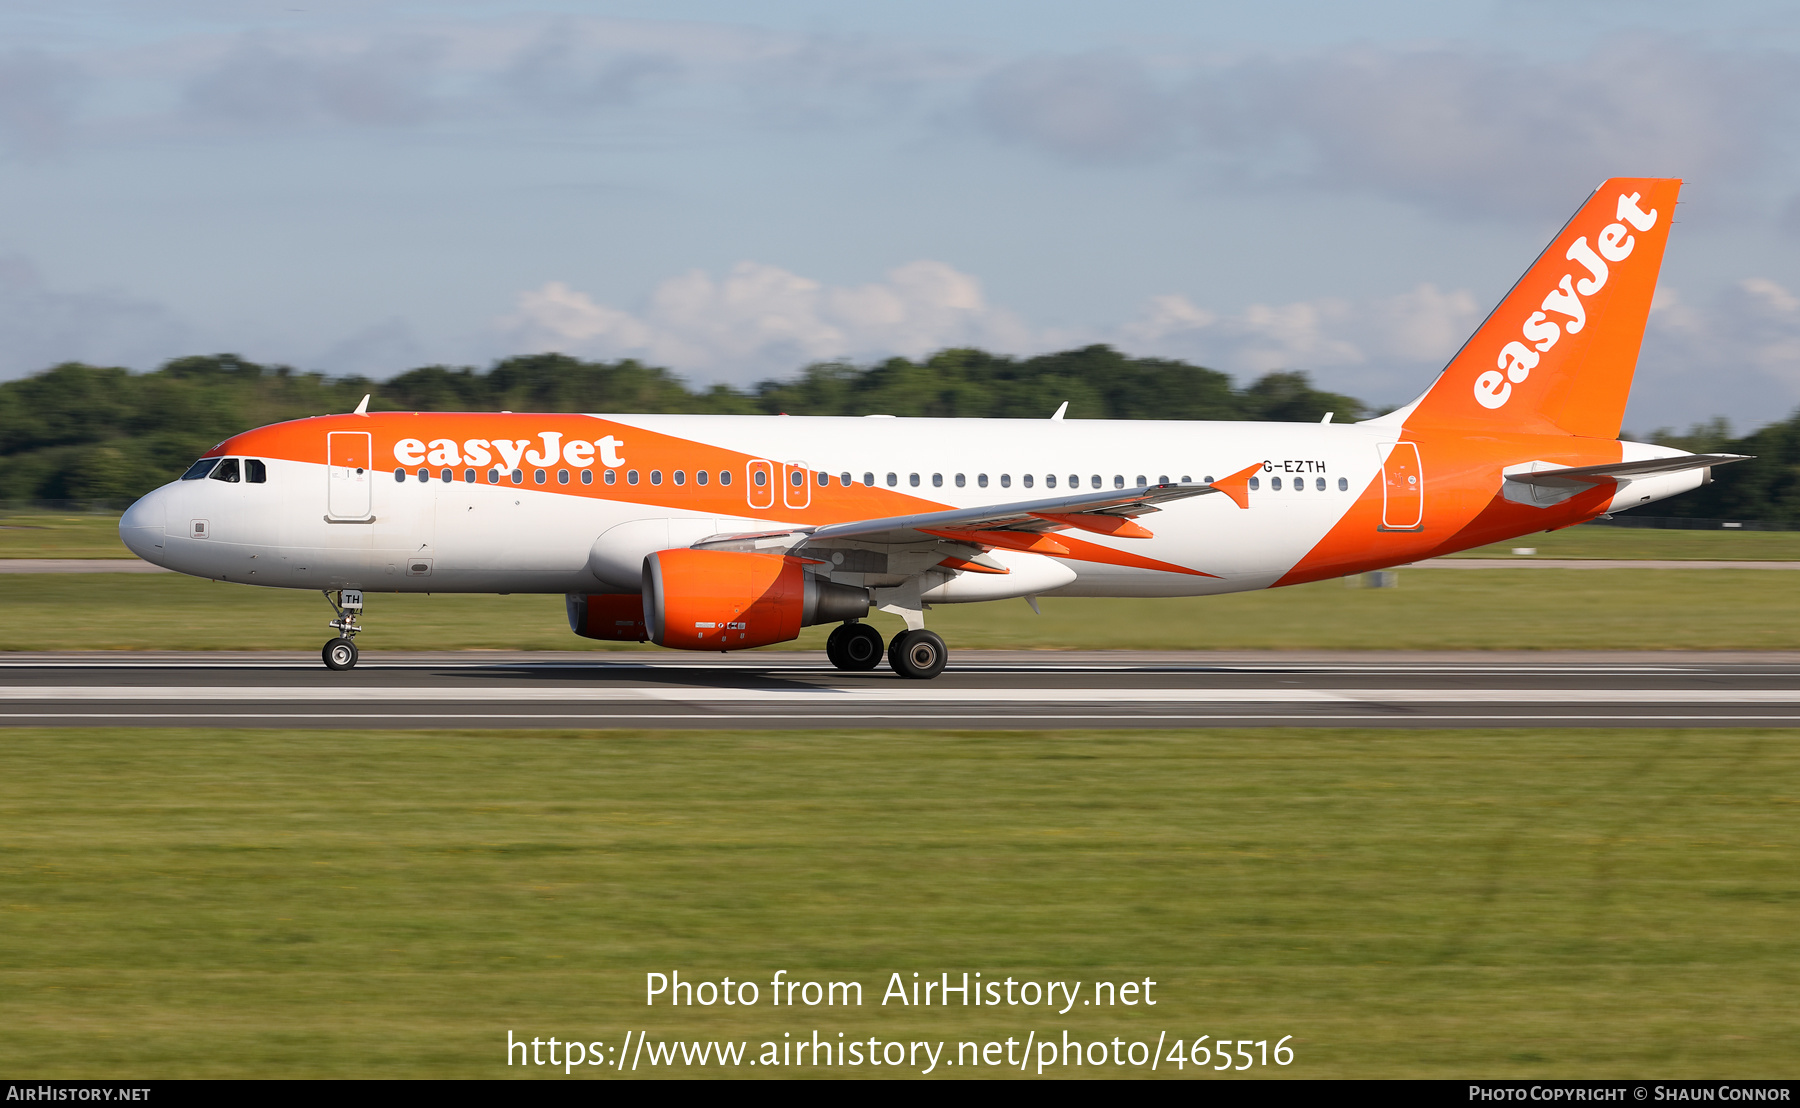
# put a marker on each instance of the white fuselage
(457, 536)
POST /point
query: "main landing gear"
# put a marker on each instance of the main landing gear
(919, 655)
(854, 646)
(340, 653)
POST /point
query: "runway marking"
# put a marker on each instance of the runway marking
(1014, 721)
(1049, 665)
(914, 695)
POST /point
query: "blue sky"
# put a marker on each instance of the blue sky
(735, 190)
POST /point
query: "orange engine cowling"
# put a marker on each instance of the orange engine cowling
(730, 600)
(616, 617)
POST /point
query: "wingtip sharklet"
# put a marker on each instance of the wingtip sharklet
(1237, 486)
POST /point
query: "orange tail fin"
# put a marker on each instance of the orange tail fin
(1558, 354)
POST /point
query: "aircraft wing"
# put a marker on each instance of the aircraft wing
(1649, 467)
(1103, 512)
(1020, 525)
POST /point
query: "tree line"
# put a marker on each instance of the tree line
(82, 432)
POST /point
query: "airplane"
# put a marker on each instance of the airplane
(719, 533)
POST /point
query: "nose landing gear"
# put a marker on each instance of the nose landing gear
(340, 653)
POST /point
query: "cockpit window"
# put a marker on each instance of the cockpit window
(200, 469)
(227, 470)
(254, 471)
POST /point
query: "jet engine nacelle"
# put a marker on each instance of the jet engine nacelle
(731, 600)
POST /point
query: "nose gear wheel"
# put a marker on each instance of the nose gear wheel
(340, 653)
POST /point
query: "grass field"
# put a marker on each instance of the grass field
(1578, 903)
(61, 535)
(96, 535)
(1432, 609)
(1652, 544)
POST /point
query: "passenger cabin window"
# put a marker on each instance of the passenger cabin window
(937, 480)
(200, 469)
(612, 476)
(701, 476)
(468, 477)
(399, 475)
(1027, 479)
(227, 470)
(961, 481)
(1343, 484)
(1275, 483)
(724, 477)
(1255, 483)
(913, 479)
(1319, 485)
(424, 474)
(447, 476)
(1049, 480)
(893, 479)
(255, 472)
(1006, 480)
(587, 477)
(981, 479)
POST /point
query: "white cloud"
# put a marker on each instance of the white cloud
(1737, 355)
(1455, 128)
(555, 70)
(1470, 131)
(1381, 349)
(760, 320)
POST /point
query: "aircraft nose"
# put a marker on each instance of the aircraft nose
(142, 528)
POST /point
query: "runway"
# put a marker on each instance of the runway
(982, 689)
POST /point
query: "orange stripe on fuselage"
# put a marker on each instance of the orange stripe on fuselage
(644, 451)
(1463, 503)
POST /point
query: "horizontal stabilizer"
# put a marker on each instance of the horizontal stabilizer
(1649, 467)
